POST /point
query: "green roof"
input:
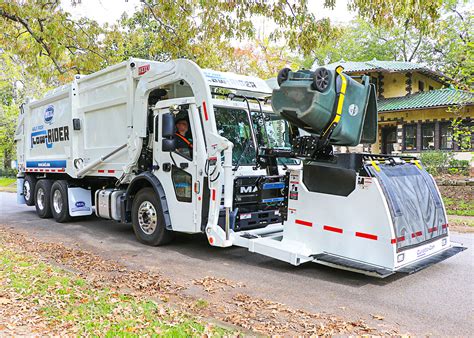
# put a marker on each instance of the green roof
(433, 98)
(386, 66)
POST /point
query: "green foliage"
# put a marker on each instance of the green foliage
(461, 167)
(450, 47)
(48, 41)
(459, 207)
(388, 13)
(435, 161)
(436, 33)
(8, 117)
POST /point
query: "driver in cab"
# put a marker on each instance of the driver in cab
(184, 141)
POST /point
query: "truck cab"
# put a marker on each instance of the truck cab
(185, 155)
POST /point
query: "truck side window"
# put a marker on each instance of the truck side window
(183, 135)
(182, 183)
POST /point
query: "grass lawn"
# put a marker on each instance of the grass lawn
(7, 181)
(70, 305)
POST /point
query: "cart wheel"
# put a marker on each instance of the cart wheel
(283, 75)
(321, 79)
(29, 189)
(147, 219)
(42, 200)
(59, 201)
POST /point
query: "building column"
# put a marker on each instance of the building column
(400, 135)
(419, 137)
(437, 135)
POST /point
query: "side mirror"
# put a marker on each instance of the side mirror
(168, 129)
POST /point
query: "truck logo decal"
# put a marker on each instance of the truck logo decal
(49, 114)
(353, 110)
(80, 206)
(248, 190)
(143, 69)
(424, 251)
(50, 136)
(46, 164)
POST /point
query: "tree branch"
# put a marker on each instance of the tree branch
(37, 38)
(167, 27)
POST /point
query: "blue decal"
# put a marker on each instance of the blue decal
(46, 164)
(49, 114)
(39, 140)
(80, 204)
(273, 200)
(276, 185)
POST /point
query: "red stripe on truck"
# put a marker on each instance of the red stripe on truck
(111, 171)
(333, 229)
(416, 234)
(399, 239)
(430, 230)
(101, 171)
(444, 226)
(368, 236)
(213, 193)
(204, 108)
(305, 223)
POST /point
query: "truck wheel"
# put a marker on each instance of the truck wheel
(29, 190)
(42, 200)
(147, 219)
(321, 78)
(283, 75)
(59, 201)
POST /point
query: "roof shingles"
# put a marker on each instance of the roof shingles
(387, 66)
(433, 98)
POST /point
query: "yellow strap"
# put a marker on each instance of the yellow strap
(375, 165)
(340, 102)
(417, 163)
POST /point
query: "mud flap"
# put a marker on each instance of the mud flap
(436, 258)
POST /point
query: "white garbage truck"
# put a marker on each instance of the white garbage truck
(170, 147)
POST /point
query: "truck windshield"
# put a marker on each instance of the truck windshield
(234, 125)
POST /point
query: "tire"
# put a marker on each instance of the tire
(59, 201)
(29, 185)
(321, 79)
(283, 75)
(148, 220)
(42, 198)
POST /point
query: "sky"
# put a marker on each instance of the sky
(108, 11)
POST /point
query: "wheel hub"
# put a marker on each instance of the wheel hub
(27, 190)
(147, 218)
(40, 198)
(57, 201)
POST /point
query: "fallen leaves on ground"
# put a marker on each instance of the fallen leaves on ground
(213, 284)
(244, 311)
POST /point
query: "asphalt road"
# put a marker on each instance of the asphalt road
(438, 300)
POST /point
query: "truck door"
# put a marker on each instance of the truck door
(178, 170)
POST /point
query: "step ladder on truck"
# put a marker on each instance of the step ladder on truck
(170, 147)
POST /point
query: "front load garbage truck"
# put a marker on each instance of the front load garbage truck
(170, 147)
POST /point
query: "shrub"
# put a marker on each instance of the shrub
(8, 172)
(459, 166)
(435, 161)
